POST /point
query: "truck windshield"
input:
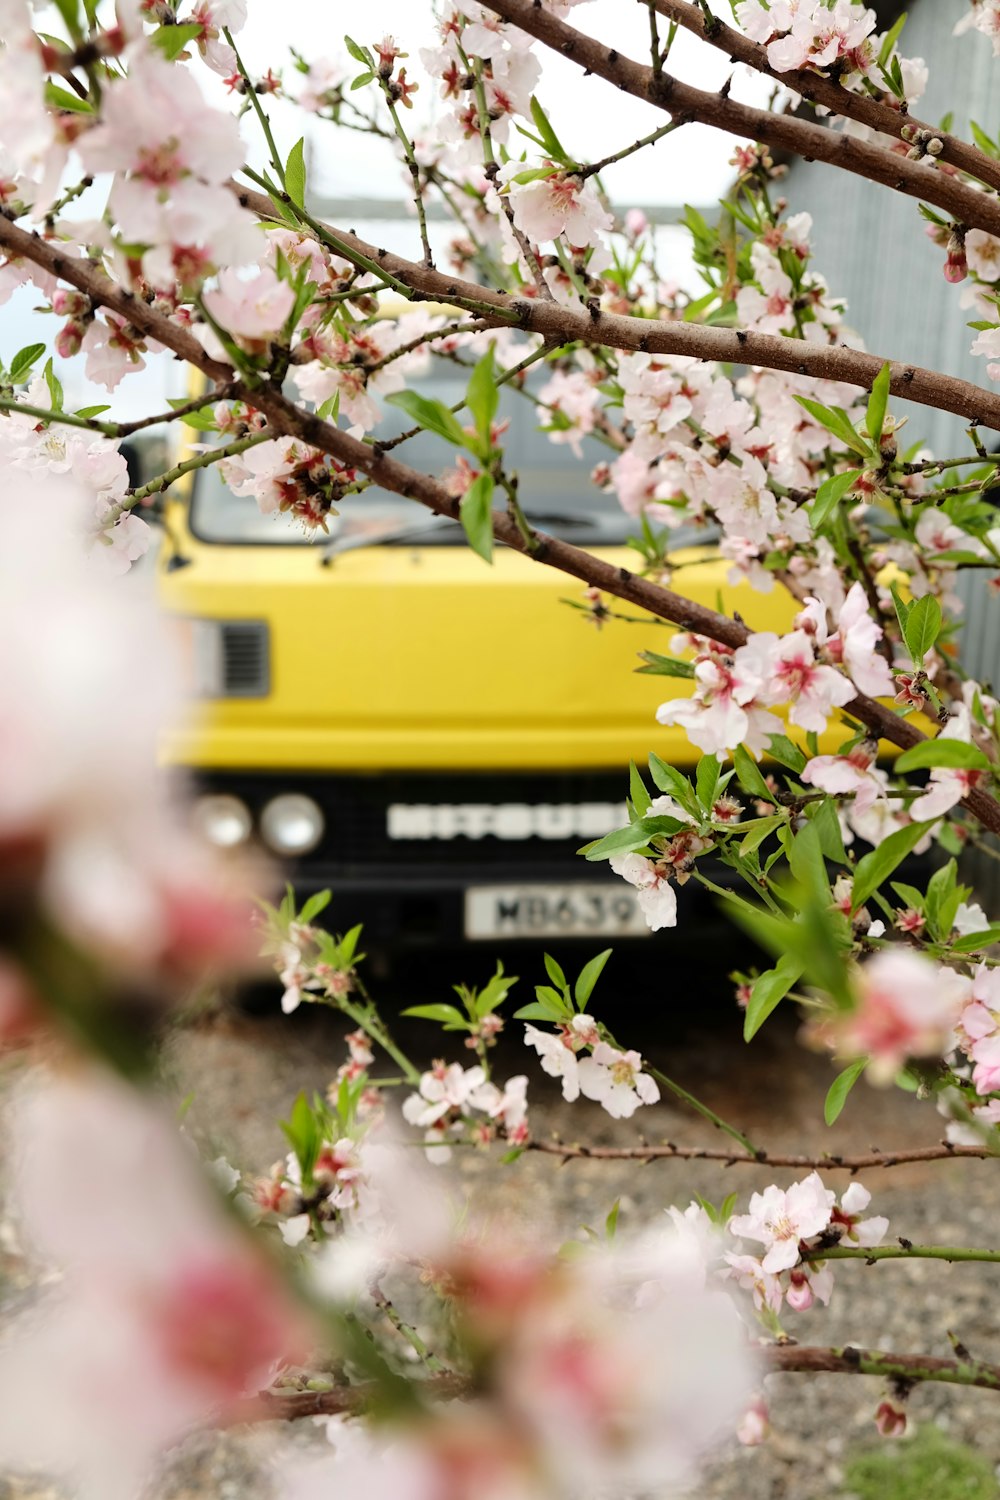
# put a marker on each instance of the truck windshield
(554, 487)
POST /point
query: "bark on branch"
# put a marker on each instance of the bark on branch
(804, 1359)
(565, 325)
(877, 114)
(812, 142)
(800, 1359)
(827, 1162)
(287, 418)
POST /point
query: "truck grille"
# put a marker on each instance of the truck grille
(245, 659)
(453, 818)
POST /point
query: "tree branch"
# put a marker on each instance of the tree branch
(566, 325)
(668, 1151)
(805, 1359)
(877, 114)
(285, 417)
(954, 197)
(801, 1359)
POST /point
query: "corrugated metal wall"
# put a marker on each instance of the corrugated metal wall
(870, 245)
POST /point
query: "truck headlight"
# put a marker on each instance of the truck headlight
(292, 824)
(223, 821)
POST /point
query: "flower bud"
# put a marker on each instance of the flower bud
(890, 1417)
(69, 338)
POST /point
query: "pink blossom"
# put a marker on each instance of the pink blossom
(171, 153)
(812, 690)
(727, 706)
(557, 1051)
(748, 1273)
(154, 1279)
(779, 1219)
(847, 1220)
(254, 310)
(907, 1006)
(656, 895)
(847, 775)
(755, 1425)
(572, 397)
(616, 1081)
(556, 205)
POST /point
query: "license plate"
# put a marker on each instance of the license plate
(580, 909)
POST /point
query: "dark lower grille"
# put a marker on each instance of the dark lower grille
(495, 818)
(245, 664)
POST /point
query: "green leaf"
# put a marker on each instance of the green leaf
(59, 98)
(588, 977)
(20, 365)
(540, 1010)
(922, 628)
(942, 902)
(836, 421)
(823, 817)
(839, 1089)
(295, 173)
(983, 141)
(626, 840)
(664, 666)
(769, 989)
(805, 859)
(543, 125)
(671, 781)
(706, 780)
(482, 397)
(91, 411)
(638, 794)
(829, 496)
(475, 511)
(903, 607)
(611, 1222)
(330, 410)
(878, 403)
(360, 54)
(303, 1134)
(172, 40)
(942, 752)
(55, 387)
(877, 866)
(433, 415)
(448, 1015)
(749, 775)
(362, 79)
(889, 43)
(554, 971)
(781, 749)
(763, 829)
(975, 942)
(317, 903)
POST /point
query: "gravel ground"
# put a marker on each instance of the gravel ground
(243, 1074)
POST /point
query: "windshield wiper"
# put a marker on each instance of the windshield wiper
(411, 532)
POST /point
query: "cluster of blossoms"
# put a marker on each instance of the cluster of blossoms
(984, 15)
(105, 856)
(455, 1104)
(104, 522)
(160, 1314)
(636, 1349)
(586, 1064)
(735, 691)
(795, 1225)
(837, 38)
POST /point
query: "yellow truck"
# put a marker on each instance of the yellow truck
(430, 737)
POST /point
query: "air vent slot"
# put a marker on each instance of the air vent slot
(246, 667)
